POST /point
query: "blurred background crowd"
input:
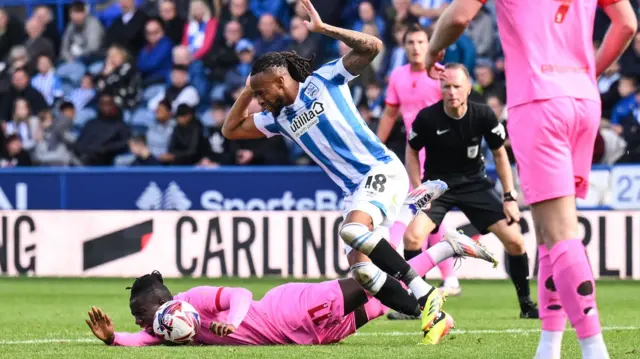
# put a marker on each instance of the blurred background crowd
(149, 82)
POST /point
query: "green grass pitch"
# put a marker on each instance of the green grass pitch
(44, 318)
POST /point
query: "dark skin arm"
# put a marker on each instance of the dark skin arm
(239, 124)
(364, 48)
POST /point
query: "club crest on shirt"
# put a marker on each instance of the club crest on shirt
(472, 151)
(307, 119)
(312, 91)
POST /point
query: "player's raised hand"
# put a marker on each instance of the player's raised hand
(434, 69)
(316, 24)
(512, 212)
(101, 325)
(222, 329)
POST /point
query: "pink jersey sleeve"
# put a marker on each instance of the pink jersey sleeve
(392, 97)
(139, 339)
(219, 299)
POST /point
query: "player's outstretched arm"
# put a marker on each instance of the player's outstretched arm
(364, 48)
(451, 24)
(239, 125)
(623, 27)
(102, 327)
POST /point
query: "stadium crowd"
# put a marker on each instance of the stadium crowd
(149, 82)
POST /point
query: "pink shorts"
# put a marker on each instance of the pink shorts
(310, 313)
(553, 143)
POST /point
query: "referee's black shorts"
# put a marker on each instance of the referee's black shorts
(474, 195)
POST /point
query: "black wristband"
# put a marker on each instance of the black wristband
(508, 197)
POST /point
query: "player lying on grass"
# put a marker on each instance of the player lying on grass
(292, 313)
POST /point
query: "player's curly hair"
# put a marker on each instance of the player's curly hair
(298, 67)
(151, 285)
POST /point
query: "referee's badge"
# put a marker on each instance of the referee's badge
(412, 135)
(472, 151)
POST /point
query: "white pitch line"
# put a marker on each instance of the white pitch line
(483, 331)
(517, 331)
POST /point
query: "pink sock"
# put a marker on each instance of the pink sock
(552, 315)
(446, 266)
(422, 264)
(374, 308)
(576, 287)
(396, 234)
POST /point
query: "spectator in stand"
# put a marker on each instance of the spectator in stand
(105, 137)
(397, 56)
(462, 51)
(265, 151)
(173, 23)
(11, 33)
(629, 128)
(138, 147)
(304, 44)
(46, 81)
(374, 98)
(119, 78)
(429, 10)
(271, 38)
(159, 133)
(155, 59)
(36, 44)
(128, 29)
(278, 8)
(238, 10)
(179, 91)
(630, 61)
(237, 77)
(200, 30)
(79, 100)
(52, 139)
(81, 43)
(367, 15)
(18, 59)
(486, 84)
(21, 88)
(23, 123)
(398, 13)
(45, 17)
(181, 56)
(14, 154)
(610, 84)
(481, 31)
(188, 144)
(627, 88)
(222, 150)
(224, 59)
(199, 34)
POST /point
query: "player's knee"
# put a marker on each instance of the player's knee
(413, 237)
(358, 237)
(369, 276)
(515, 246)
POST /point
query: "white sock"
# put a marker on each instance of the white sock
(441, 251)
(550, 345)
(451, 282)
(594, 347)
(419, 288)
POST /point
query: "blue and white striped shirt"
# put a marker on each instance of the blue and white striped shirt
(49, 86)
(324, 121)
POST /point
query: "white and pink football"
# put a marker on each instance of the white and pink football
(176, 321)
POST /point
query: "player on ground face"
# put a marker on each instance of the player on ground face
(554, 114)
(316, 313)
(410, 90)
(316, 111)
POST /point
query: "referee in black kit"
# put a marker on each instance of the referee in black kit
(451, 132)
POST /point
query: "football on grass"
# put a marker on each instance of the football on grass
(176, 321)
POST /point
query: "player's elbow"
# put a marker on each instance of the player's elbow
(377, 46)
(461, 20)
(629, 27)
(228, 133)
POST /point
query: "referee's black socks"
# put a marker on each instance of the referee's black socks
(519, 272)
